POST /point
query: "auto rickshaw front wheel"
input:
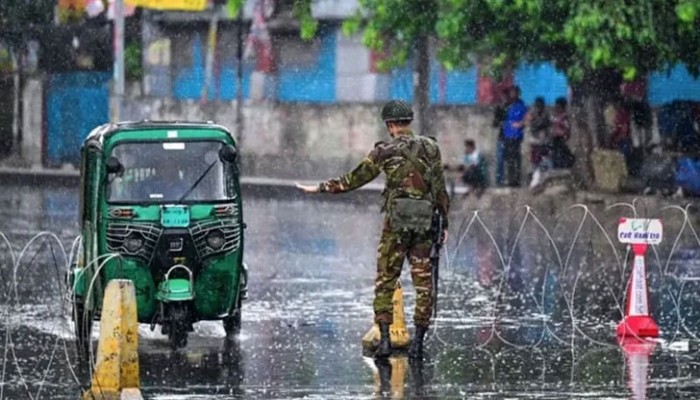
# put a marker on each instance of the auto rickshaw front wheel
(178, 324)
(232, 324)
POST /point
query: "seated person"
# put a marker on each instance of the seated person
(559, 153)
(166, 184)
(474, 169)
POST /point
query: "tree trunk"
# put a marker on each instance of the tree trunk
(19, 93)
(589, 98)
(422, 89)
(582, 138)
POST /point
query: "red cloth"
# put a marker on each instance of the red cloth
(560, 127)
(621, 131)
(634, 90)
(490, 91)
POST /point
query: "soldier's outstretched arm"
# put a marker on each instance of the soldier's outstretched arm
(360, 176)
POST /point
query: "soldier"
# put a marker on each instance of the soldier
(415, 189)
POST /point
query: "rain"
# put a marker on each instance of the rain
(238, 163)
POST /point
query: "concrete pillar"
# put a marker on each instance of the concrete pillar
(32, 122)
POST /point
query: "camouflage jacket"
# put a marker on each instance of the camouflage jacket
(403, 177)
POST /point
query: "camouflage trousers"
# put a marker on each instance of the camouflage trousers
(394, 247)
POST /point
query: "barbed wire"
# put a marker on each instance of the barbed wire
(560, 255)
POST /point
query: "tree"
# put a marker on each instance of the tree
(402, 28)
(597, 43)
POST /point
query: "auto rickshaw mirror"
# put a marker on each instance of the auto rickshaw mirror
(228, 154)
(114, 166)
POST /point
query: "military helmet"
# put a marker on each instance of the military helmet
(397, 110)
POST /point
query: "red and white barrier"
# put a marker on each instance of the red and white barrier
(637, 353)
(640, 233)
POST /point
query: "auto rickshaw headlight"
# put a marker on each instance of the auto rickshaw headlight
(215, 239)
(133, 243)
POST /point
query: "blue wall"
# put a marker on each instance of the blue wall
(312, 84)
(540, 79)
(75, 104)
(677, 84)
(460, 85)
(315, 84)
(189, 81)
(401, 87)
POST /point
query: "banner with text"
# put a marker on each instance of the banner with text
(639, 231)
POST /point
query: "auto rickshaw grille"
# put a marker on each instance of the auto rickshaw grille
(231, 230)
(117, 234)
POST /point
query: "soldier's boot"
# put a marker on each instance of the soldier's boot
(416, 350)
(384, 348)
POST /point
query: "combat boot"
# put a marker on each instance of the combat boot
(384, 347)
(416, 349)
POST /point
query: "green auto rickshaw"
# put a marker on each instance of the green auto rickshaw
(160, 205)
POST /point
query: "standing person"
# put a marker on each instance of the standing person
(621, 135)
(474, 170)
(538, 121)
(513, 136)
(561, 156)
(414, 191)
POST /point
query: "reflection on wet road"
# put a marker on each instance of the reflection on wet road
(528, 308)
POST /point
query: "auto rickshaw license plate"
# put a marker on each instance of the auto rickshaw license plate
(175, 217)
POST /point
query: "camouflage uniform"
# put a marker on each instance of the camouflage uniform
(404, 180)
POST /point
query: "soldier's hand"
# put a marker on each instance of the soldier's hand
(445, 234)
(306, 188)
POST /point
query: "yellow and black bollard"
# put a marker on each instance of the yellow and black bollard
(400, 339)
(116, 375)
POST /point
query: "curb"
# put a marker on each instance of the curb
(250, 186)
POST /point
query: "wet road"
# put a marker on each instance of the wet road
(528, 308)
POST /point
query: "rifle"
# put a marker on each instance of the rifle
(436, 234)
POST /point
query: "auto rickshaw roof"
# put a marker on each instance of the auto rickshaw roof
(103, 132)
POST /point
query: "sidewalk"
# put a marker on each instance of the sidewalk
(263, 187)
(70, 177)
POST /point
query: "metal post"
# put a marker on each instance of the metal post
(239, 78)
(16, 144)
(118, 60)
(211, 52)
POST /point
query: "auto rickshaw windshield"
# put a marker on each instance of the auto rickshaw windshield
(167, 172)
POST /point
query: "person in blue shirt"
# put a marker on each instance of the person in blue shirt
(513, 132)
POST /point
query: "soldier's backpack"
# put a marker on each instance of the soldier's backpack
(411, 214)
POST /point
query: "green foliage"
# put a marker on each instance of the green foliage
(233, 7)
(579, 36)
(133, 61)
(394, 25)
(302, 11)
